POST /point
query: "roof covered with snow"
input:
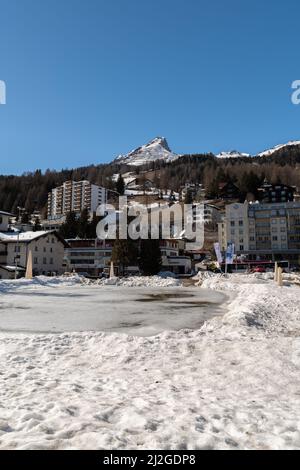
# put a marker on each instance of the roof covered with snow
(27, 237)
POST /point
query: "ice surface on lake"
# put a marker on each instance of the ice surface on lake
(139, 311)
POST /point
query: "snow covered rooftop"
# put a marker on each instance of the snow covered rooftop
(22, 236)
(5, 213)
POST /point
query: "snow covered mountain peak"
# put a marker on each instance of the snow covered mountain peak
(232, 154)
(269, 152)
(157, 149)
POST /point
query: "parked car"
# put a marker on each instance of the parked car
(259, 269)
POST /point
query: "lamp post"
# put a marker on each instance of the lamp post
(17, 254)
(17, 257)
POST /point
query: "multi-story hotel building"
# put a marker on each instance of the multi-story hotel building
(74, 196)
(263, 231)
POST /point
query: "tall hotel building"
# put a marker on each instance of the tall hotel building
(74, 196)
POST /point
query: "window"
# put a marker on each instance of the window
(45, 249)
(275, 238)
(232, 223)
(53, 240)
(241, 223)
(44, 260)
(51, 260)
(36, 249)
(35, 261)
(241, 247)
(51, 250)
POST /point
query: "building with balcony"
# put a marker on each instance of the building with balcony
(263, 231)
(88, 257)
(74, 196)
(274, 193)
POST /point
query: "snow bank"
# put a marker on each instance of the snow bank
(233, 384)
(162, 280)
(39, 281)
(137, 281)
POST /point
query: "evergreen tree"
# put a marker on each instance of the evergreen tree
(70, 228)
(188, 197)
(150, 257)
(92, 227)
(124, 254)
(25, 218)
(83, 224)
(37, 225)
(120, 186)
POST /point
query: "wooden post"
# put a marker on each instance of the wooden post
(279, 277)
(276, 272)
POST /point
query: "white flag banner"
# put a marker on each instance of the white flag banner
(230, 253)
(218, 253)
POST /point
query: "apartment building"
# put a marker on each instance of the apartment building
(270, 193)
(47, 250)
(263, 231)
(75, 196)
(89, 256)
(235, 227)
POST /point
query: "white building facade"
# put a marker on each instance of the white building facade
(74, 196)
(47, 249)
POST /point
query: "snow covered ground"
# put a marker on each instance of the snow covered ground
(232, 384)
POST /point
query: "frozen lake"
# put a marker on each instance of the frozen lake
(137, 311)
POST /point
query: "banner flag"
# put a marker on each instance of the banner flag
(230, 253)
(218, 253)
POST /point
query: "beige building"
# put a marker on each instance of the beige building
(263, 231)
(235, 227)
(47, 250)
(74, 196)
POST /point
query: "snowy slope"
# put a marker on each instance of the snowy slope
(157, 149)
(266, 153)
(232, 154)
(269, 152)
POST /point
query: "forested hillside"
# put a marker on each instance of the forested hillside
(31, 189)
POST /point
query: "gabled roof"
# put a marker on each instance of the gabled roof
(28, 237)
(6, 213)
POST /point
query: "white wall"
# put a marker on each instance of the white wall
(4, 219)
(48, 247)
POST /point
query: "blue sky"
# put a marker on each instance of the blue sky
(88, 80)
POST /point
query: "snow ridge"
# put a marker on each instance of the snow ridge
(157, 149)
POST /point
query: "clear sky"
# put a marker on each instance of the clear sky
(90, 79)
